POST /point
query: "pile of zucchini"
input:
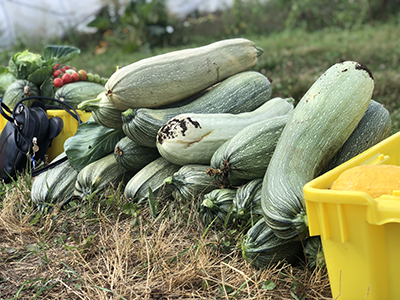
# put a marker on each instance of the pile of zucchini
(199, 124)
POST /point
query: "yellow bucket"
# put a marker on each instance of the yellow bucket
(360, 235)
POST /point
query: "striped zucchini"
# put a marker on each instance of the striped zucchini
(151, 176)
(239, 93)
(79, 91)
(54, 187)
(103, 112)
(133, 156)
(99, 175)
(247, 154)
(173, 76)
(320, 124)
(314, 253)
(247, 201)
(191, 182)
(19, 90)
(262, 248)
(374, 126)
(217, 206)
(193, 138)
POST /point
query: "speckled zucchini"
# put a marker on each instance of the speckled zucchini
(103, 112)
(239, 93)
(318, 127)
(374, 126)
(191, 182)
(217, 206)
(19, 90)
(133, 156)
(193, 138)
(173, 76)
(98, 175)
(76, 92)
(262, 248)
(54, 187)
(247, 154)
(151, 176)
(314, 253)
(247, 201)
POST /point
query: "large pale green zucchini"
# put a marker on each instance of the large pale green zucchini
(318, 127)
(374, 126)
(133, 156)
(152, 176)
(191, 182)
(239, 93)
(193, 138)
(54, 187)
(262, 248)
(99, 175)
(173, 76)
(247, 154)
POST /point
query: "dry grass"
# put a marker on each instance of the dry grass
(99, 251)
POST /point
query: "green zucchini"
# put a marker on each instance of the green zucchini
(191, 182)
(374, 126)
(217, 206)
(54, 187)
(76, 92)
(151, 176)
(103, 112)
(193, 138)
(19, 90)
(239, 93)
(247, 154)
(247, 201)
(314, 253)
(99, 175)
(173, 76)
(320, 124)
(133, 156)
(262, 248)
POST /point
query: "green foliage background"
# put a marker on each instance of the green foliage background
(300, 39)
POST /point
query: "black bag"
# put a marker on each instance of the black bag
(28, 134)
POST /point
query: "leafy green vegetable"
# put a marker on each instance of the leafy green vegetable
(90, 143)
(40, 75)
(22, 64)
(60, 54)
(6, 78)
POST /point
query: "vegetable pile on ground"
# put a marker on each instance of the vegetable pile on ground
(198, 124)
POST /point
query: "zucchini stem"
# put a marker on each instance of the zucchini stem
(89, 103)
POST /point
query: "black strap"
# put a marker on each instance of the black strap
(7, 117)
(49, 166)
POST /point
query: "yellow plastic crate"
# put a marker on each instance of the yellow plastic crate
(69, 129)
(360, 234)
